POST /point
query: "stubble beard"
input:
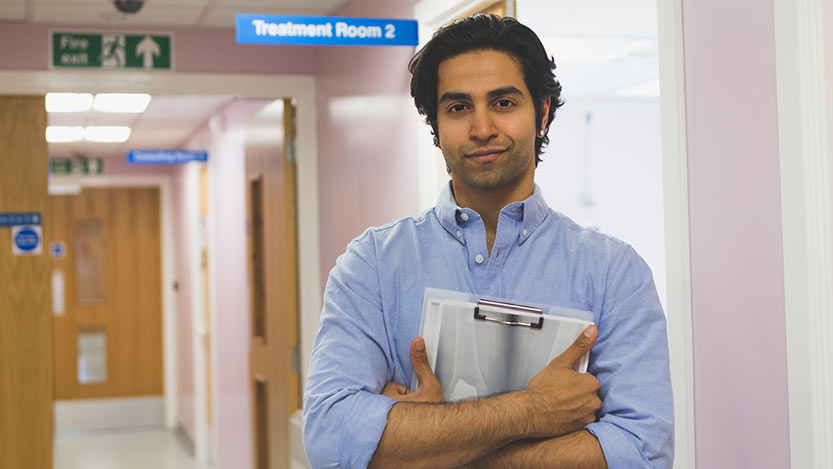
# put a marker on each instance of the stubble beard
(508, 169)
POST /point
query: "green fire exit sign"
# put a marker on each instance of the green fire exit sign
(111, 50)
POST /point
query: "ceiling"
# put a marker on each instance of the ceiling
(201, 13)
(167, 123)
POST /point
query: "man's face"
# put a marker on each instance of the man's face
(486, 121)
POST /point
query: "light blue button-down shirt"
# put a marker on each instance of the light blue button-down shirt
(372, 308)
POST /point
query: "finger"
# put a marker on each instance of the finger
(580, 347)
(419, 360)
(394, 390)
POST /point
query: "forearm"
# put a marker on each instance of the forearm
(577, 450)
(450, 435)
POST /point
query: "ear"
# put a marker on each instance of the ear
(545, 113)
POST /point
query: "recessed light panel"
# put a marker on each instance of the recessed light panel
(68, 102)
(60, 134)
(109, 134)
(121, 102)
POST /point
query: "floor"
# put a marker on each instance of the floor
(140, 448)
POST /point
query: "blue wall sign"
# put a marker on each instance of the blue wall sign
(324, 31)
(165, 156)
(26, 240)
(23, 218)
(58, 250)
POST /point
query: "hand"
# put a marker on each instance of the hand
(428, 388)
(562, 399)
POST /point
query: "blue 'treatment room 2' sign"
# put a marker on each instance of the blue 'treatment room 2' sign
(324, 31)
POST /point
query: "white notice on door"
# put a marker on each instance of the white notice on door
(58, 292)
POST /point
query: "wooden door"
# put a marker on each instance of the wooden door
(108, 334)
(25, 322)
(272, 249)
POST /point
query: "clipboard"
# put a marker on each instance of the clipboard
(479, 347)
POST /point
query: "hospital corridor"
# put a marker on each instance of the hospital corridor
(206, 208)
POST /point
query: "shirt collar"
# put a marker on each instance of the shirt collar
(531, 212)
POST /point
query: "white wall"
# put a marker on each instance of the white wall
(615, 161)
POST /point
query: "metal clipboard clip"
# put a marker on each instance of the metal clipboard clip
(507, 318)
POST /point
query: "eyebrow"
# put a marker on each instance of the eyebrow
(455, 95)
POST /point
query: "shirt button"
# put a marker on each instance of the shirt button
(459, 233)
(525, 232)
(464, 216)
(478, 258)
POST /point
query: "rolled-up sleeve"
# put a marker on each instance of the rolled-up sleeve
(630, 360)
(344, 414)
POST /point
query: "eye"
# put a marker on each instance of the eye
(459, 107)
(504, 103)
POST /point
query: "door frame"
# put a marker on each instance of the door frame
(164, 184)
(807, 225)
(431, 14)
(262, 86)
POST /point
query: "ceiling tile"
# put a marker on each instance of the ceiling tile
(12, 11)
(91, 118)
(106, 14)
(224, 16)
(77, 14)
(155, 138)
(321, 5)
(58, 3)
(158, 3)
(87, 149)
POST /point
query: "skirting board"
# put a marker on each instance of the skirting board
(96, 414)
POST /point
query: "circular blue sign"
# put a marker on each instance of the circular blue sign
(27, 239)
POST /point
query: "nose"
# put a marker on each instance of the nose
(482, 126)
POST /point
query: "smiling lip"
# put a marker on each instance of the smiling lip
(485, 156)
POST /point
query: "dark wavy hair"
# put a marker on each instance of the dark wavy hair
(486, 32)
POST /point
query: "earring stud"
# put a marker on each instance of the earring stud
(541, 133)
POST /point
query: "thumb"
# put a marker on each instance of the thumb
(581, 346)
(419, 360)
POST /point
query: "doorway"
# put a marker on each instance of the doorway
(250, 87)
(107, 308)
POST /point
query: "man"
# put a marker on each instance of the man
(486, 87)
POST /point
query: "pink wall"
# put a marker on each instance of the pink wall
(230, 328)
(196, 50)
(367, 158)
(184, 337)
(740, 369)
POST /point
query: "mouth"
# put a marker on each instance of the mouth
(486, 155)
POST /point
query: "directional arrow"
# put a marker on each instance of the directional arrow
(147, 48)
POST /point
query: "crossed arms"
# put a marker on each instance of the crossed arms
(537, 427)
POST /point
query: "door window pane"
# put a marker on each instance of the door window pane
(92, 355)
(90, 252)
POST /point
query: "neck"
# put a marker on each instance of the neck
(488, 202)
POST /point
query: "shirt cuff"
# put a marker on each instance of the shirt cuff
(363, 427)
(619, 450)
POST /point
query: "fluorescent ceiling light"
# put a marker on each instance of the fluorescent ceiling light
(58, 134)
(121, 102)
(111, 134)
(68, 102)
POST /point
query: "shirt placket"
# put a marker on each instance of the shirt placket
(473, 234)
(504, 241)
